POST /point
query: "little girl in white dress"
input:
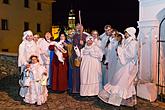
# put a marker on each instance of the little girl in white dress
(34, 82)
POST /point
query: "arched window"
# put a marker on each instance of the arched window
(161, 61)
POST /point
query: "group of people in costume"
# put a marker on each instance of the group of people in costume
(85, 64)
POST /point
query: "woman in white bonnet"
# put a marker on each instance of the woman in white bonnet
(121, 90)
(90, 69)
(26, 49)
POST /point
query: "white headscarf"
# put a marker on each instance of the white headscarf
(26, 33)
(131, 31)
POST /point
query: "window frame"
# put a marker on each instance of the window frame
(26, 3)
(5, 1)
(26, 26)
(39, 6)
(4, 24)
(38, 27)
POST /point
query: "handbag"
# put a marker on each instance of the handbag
(24, 82)
(20, 82)
(77, 62)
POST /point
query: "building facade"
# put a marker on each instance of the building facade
(17, 16)
(152, 52)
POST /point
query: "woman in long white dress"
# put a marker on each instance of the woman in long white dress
(121, 89)
(26, 49)
(90, 69)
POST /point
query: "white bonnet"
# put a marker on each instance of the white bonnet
(131, 31)
(29, 32)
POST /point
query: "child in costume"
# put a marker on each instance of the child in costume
(34, 82)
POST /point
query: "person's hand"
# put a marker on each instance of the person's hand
(55, 48)
(45, 73)
(65, 44)
(106, 65)
(76, 49)
(28, 66)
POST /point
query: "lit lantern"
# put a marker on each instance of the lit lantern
(71, 19)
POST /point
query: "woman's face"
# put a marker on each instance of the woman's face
(70, 33)
(95, 34)
(29, 37)
(89, 42)
(119, 38)
(126, 35)
(113, 34)
(48, 36)
(62, 37)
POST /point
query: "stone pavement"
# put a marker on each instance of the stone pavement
(10, 100)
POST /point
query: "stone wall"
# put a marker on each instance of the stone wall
(8, 64)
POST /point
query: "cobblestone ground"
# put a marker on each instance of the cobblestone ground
(10, 100)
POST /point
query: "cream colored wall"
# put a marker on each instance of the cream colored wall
(150, 8)
(148, 36)
(16, 15)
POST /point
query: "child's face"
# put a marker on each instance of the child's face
(28, 66)
(34, 60)
(35, 38)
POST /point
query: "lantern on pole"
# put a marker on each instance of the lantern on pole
(71, 19)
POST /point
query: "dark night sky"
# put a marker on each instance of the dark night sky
(97, 13)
